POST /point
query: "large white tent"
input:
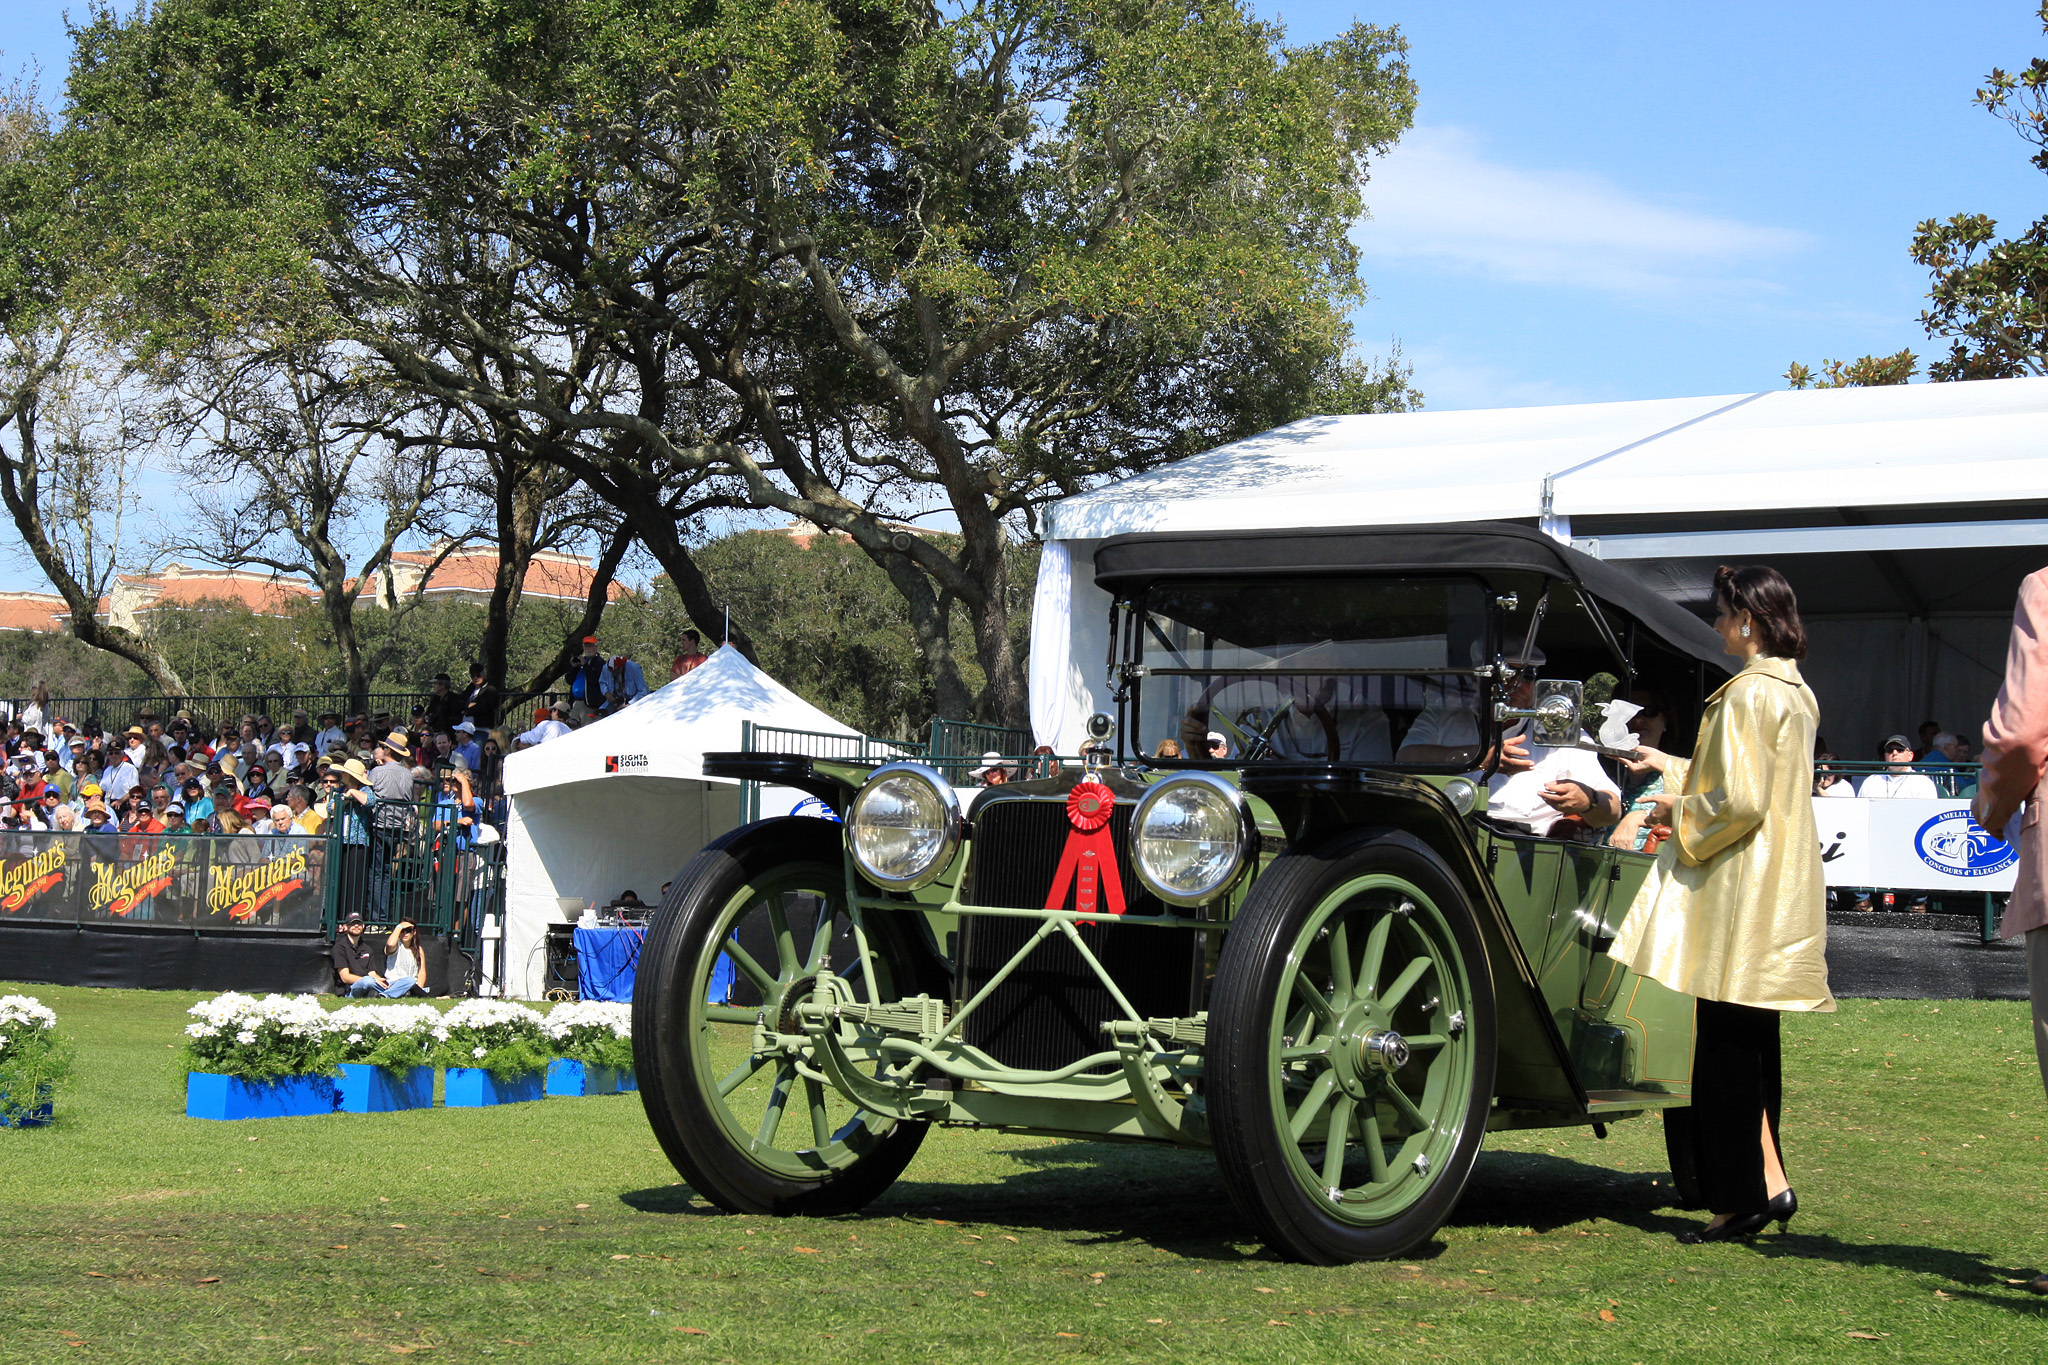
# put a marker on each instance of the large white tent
(1905, 517)
(623, 803)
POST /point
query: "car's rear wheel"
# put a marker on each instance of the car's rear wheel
(742, 936)
(1351, 1068)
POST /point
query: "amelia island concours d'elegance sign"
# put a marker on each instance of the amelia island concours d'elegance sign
(235, 881)
(1911, 845)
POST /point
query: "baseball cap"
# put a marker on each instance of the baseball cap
(352, 917)
(1895, 742)
(174, 809)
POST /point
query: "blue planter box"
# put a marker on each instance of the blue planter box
(34, 1118)
(569, 1077)
(210, 1096)
(628, 1083)
(472, 1088)
(379, 1090)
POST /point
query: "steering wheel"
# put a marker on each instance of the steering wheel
(1259, 742)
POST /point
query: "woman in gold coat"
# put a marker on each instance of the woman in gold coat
(1735, 910)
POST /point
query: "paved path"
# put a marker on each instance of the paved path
(1935, 959)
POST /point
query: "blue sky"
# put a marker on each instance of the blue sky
(1605, 201)
(1608, 201)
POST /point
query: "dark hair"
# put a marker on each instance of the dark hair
(1763, 592)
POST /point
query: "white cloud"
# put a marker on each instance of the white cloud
(1438, 199)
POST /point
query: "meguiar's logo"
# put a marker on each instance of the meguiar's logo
(240, 893)
(1954, 843)
(619, 763)
(31, 877)
(119, 890)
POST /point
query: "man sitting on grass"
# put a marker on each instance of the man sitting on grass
(356, 961)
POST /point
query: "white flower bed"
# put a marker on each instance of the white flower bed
(25, 1025)
(502, 1037)
(33, 1062)
(594, 1032)
(570, 1015)
(395, 1036)
(239, 1035)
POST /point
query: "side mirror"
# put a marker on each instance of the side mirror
(1554, 715)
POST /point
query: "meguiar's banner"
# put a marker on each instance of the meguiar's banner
(219, 881)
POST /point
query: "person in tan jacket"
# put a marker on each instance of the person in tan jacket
(1734, 912)
(2015, 756)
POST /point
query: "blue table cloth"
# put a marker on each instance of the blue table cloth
(606, 960)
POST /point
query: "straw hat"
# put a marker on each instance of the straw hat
(397, 743)
(351, 771)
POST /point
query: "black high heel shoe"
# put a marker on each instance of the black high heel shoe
(1745, 1225)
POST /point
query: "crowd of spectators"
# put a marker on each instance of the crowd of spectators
(272, 775)
(252, 774)
(1941, 766)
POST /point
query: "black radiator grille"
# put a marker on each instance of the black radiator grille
(1049, 1012)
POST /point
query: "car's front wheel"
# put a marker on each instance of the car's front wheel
(1351, 1065)
(743, 937)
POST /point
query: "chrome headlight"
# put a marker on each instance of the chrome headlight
(1191, 837)
(1462, 793)
(904, 826)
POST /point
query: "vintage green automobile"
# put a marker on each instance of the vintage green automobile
(1317, 955)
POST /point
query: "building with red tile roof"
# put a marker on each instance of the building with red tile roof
(178, 585)
(468, 575)
(43, 612)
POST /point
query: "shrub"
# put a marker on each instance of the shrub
(594, 1032)
(498, 1036)
(258, 1040)
(32, 1058)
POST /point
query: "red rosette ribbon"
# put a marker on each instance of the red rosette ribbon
(1088, 863)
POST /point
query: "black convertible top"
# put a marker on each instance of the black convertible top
(1128, 563)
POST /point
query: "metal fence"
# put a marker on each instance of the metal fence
(418, 861)
(957, 750)
(775, 739)
(117, 713)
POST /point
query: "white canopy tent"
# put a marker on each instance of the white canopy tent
(623, 803)
(1905, 517)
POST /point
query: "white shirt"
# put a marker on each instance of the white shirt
(543, 732)
(120, 778)
(1916, 785)
(1450, 727)
(328, 738)
(1519, 796)
(289, 751)
(1844, 788)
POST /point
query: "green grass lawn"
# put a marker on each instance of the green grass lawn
(555, 1232)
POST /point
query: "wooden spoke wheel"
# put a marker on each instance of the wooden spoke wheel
(1352, 1072)
(741, 940)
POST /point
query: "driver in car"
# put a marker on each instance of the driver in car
(1535, 784)
(1308, 717)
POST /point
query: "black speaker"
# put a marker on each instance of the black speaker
(560, 982)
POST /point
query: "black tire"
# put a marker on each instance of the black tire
(1680, 1148)
(720, 907)
(1271, 1057)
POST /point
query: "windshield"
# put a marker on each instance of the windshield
(1338, 670)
